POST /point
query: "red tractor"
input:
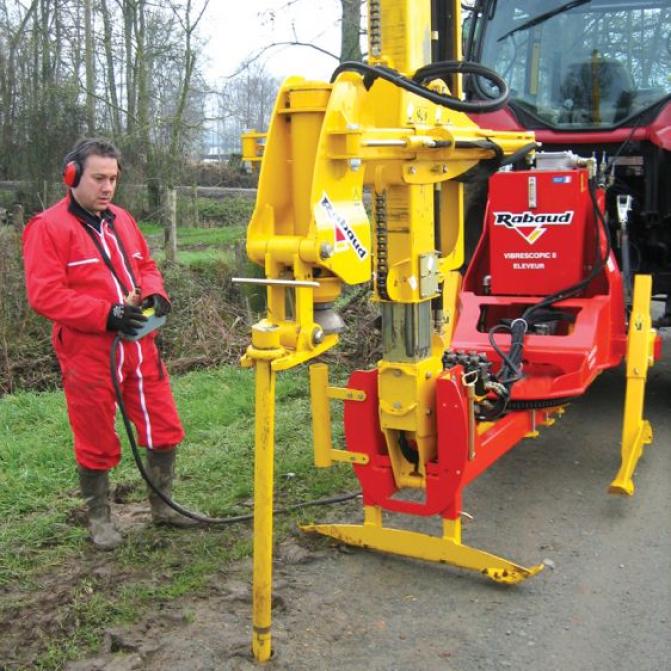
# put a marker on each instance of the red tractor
(592, 77)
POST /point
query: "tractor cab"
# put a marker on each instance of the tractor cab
(585, 64)
(592, 77)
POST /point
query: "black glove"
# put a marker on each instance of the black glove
(161, 306)
(125, 318)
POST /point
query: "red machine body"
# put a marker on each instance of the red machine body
(539, 226)
(558, 365)
(501, 282)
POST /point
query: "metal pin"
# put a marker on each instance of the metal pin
(469, 380)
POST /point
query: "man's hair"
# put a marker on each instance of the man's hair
(96, 146)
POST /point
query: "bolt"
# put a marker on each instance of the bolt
(412, 170)
(325, 250)
(354, 164)
(397, 405)
(317, 335)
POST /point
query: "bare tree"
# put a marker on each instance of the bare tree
(124, 68)
(189, 25)
(128, 69)
(89, 61)
(350, 31)
(110, 70)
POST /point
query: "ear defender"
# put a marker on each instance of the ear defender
(72, 173)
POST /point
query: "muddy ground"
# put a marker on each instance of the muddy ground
(603, 601)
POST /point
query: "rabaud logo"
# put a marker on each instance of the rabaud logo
(344, 233)
(532, 226)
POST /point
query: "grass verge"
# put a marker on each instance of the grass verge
(43, 550)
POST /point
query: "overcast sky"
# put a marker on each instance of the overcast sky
(236, 29)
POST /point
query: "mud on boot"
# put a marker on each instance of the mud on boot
(161, 470)
(95, 492)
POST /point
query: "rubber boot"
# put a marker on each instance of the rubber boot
(95, 491)
(161, 469)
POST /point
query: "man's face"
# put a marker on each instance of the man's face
(97, 184)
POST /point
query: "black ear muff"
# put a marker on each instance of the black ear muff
(72, 173)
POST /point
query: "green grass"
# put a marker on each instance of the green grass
(225, 235)
(38, 485)
(202, 257)
(38, 492)
(231, 210)
(198, 246)
(220, 235)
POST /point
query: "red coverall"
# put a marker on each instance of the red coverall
(68, 282)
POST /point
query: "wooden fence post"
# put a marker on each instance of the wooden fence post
(18, 217)
(170, 211)
(196, 216)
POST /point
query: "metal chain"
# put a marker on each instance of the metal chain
(381, 238)
(375, 28)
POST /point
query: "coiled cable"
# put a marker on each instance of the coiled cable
(204, 519)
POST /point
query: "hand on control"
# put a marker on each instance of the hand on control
(161, 306)
(126, 319)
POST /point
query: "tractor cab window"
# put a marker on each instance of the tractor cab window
(579, 64)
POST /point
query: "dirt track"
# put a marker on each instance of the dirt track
(604, 602)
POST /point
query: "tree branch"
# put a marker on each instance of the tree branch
(295, 43)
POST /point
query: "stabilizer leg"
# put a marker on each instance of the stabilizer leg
(636, 432)
(446, 550)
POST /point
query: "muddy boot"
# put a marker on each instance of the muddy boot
(161, 469)
(95, 491)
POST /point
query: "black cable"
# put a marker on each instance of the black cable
(599, 263)
(173, 504)
(610, 167)
(520, 153)
(468, 50)
(540, 403)
(433, 71)
(485, 144)
(507, 359)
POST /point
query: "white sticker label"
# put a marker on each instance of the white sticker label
(344, 233)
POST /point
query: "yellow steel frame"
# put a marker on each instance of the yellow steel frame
(320, 393)
(310, 233)
(445, 550)
(636, 431)
(263, 508)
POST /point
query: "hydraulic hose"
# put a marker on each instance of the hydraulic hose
(430, 72)
(511, 370)
(204, 519)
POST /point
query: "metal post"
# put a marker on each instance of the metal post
(263, 509)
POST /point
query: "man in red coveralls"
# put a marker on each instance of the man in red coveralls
(88, 270)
